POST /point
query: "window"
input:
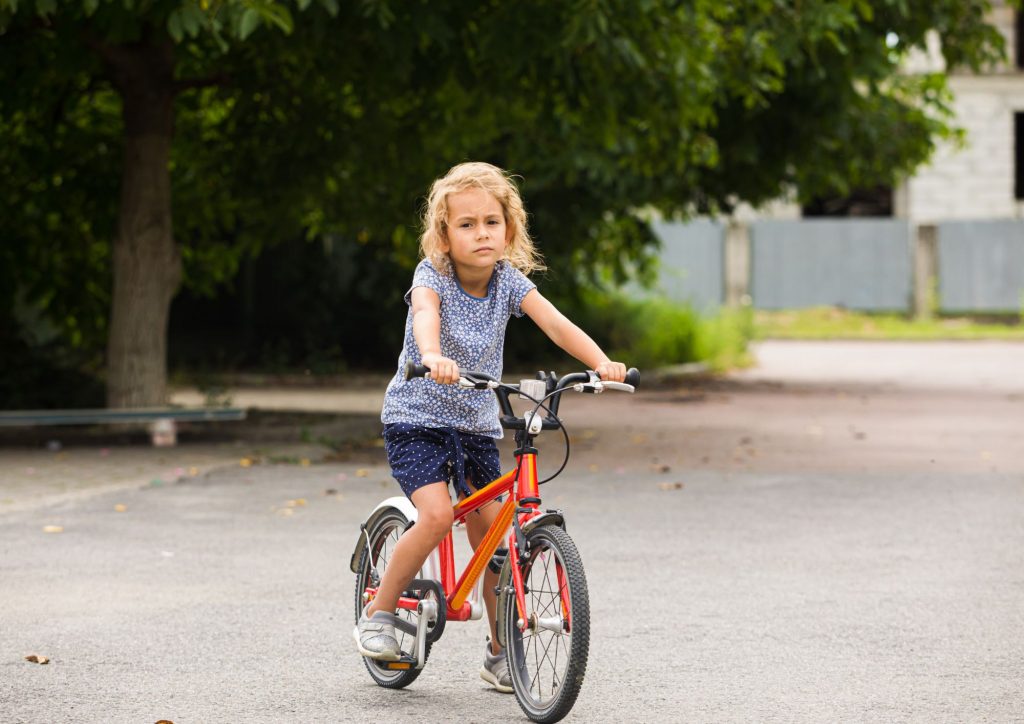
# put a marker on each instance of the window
(1018, 156)
(861, 202)
(1019, 39)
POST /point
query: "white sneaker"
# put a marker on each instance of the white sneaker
(375, 636)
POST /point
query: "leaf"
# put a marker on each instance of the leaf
(120, 508)
(250, 21)
(280, 16)
(670, 486)
(174, 26)
(37, 659)
(53, 529)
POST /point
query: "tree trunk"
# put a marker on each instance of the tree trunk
(147, 263)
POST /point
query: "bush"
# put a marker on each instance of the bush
(654, 332)
(46, 378)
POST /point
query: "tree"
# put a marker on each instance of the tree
(265, 119)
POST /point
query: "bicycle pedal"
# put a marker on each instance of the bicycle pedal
(406, 662)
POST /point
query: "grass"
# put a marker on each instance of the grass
(832, 323)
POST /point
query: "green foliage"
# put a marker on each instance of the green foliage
(655, 332)
(319, 119)
(37, 377)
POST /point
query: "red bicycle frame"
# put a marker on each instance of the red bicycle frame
(522, 488)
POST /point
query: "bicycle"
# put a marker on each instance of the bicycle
(543, 618)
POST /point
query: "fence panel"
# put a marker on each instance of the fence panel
(692, 262)
(857, 263)
(981, 266)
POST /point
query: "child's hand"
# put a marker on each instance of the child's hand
(610, 371)
(442, 369)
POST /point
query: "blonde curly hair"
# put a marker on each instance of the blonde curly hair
(520, 251)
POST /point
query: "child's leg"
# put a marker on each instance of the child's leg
(433, 521)
(476, 527)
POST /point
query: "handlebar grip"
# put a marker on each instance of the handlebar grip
(633, 377)
(414, 370)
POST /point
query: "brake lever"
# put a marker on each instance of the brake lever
(596, 387)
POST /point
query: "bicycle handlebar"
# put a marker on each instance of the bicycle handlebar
(580, 381)
(415, 370)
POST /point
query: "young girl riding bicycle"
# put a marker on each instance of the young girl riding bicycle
(477, 252)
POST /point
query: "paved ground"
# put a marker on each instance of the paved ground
(837, 535)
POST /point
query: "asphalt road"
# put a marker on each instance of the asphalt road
(761, 550)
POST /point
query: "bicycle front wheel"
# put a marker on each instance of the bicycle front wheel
(548, 658)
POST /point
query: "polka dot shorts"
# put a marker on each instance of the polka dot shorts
(422, 455)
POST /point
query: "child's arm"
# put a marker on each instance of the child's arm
(426, 329)
(569, 337)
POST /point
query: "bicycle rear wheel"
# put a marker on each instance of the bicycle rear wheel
(548, 660)
(381, 541)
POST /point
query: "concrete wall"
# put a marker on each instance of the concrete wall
(976, 181)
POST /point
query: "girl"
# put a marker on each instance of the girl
(476, 252)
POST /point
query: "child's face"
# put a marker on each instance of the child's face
(476, 233)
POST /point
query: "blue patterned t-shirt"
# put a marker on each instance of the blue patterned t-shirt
(473, 335)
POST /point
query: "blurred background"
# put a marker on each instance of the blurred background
(197, 193)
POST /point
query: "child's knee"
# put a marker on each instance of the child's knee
(436, 521)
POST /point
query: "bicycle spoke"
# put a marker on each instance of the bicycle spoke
(551, 652)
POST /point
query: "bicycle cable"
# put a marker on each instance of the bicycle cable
(561, 425)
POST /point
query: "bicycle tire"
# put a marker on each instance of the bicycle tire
(381, 539)
(530, 657)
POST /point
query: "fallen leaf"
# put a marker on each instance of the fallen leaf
(37, 659)
(362, 473)
(53, 529)
(670, 486)
(639, 439)
(297, 503)
(245, 462)
(285, 512)
(193, 472)
(165, 721)
(304, 462)
(120, 507)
